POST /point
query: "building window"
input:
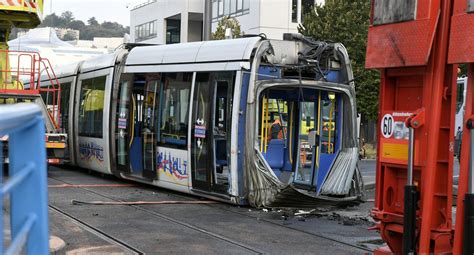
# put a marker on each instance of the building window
(227, 7)
(173, 31)
(175, 109)
(230, 8)
(301, 9)
(220, 7)
(294, 11)
(214, 8)
(145, 31)
(92, 107)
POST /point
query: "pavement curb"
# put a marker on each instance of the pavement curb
(56, 244)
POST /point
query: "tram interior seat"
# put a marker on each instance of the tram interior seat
(275, 154)
(136, 155)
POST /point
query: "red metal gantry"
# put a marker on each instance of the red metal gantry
(461, 50)
(408, 42)
(29, 66)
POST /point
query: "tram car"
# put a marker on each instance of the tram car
(254, 121)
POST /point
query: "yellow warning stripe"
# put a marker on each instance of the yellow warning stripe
(56, 145)
(395, 151)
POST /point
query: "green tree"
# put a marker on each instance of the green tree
(77, 25)
(223, 24)
(347, 21)
(67, 18)
(87, 32)
(69, 37)
(51, 20)
(92, 21)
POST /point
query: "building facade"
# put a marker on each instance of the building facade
(176, 21)
(167, 21)
(270, 17)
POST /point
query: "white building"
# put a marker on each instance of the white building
(270, 17)
(167, 21)
(67, 33)
(174, 21)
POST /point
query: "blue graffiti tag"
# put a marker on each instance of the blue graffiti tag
(91, 150)
(174, 165)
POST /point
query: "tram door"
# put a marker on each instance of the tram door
(148, 132)
(136, 127)
(308, 143)
(211, 120)
(123, 134)
(317, 139)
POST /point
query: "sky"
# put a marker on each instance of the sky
(103, 10)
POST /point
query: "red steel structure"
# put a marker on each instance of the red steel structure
(461, 50)
(408, 42)
(28, 67)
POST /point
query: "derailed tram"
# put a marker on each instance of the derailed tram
(270, 123)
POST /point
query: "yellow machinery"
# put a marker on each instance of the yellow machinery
(19, 14)
(28, 14)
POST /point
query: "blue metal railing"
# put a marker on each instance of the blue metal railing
(27, 183)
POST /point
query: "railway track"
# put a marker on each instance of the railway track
(105, 236)
(150, 212)
(196, 228)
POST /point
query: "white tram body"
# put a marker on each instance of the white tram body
(198, 118)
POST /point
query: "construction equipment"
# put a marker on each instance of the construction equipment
(18, 68)
(417, 45)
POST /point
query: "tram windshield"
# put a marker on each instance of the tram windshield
(298, 133)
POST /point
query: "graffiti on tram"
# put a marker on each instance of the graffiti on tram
(91, 151)
(172, 163)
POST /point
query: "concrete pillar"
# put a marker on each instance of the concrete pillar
(207, 20)
(298, 11)
(184, 26)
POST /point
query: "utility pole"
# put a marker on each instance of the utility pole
(207, 20)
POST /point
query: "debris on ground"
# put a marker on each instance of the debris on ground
(346, 216)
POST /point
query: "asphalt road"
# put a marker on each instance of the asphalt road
(194, 228)
(367, 169)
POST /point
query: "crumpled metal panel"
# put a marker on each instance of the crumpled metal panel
(340, 178)
(291, 197)
(266, 190)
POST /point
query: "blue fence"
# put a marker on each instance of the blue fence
(26, 184)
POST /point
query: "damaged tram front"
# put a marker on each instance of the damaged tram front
(248, 121)
(300, 144)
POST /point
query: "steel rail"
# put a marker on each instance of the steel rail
(226, 210)
(173, 220)
(88, 227)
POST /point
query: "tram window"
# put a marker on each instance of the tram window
(329, 113)
(91, 107)
(175, 109)
(275, 113)
(65, 94)
(47, 97)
